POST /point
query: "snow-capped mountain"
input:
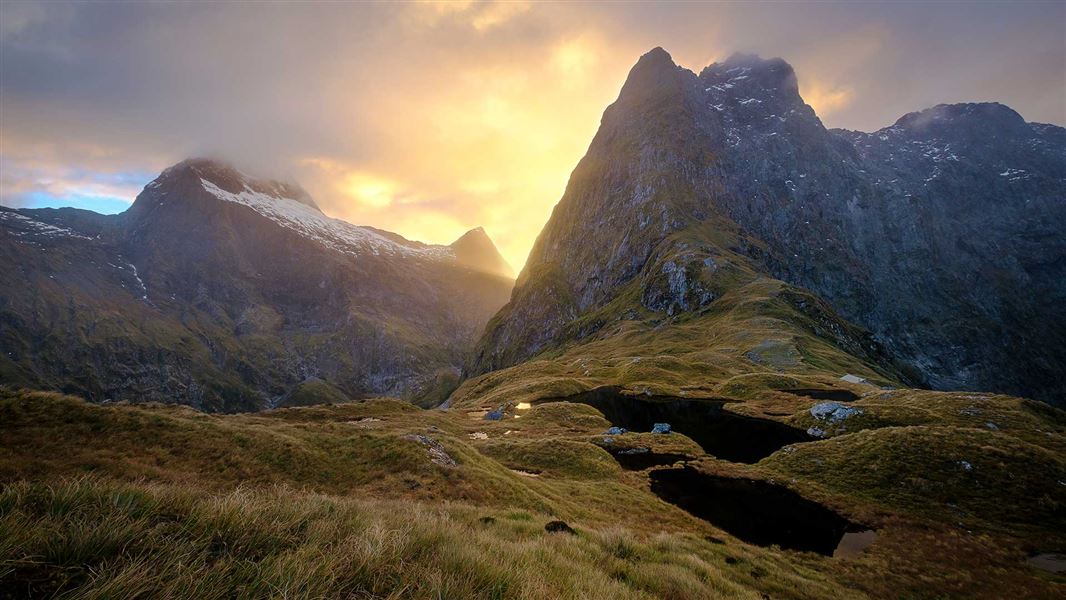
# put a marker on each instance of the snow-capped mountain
(289, 206)
(228, 292)
(333, 233)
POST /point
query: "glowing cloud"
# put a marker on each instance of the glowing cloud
(431, 118)
(826, 101)
(368, 190)
(495, 13)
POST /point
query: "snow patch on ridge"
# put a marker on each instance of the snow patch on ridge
(30, 225)
(333, 233)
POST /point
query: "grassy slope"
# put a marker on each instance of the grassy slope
(162, 500)
(944, 531)
(154, 540)
(755, 326)
(707, 354)
(329, 501)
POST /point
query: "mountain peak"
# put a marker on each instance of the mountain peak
(229, 178)
(656, 56)
(654, 73)
(769, 73)
(989, 116)
(476, 250)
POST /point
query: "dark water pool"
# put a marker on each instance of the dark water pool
(759, 512)
(854, 542)
(823, 394)
(1053, 562)
(719, 432)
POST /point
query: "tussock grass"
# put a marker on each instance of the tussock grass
(93, 538)
(560, 457)
(972, 477)
(755, 332)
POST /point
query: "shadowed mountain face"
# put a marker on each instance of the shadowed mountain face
(941, 234)
(226, 292)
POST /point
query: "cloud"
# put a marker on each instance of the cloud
(826, 101)
(431, 118)
(35, 185)
(576, 56)
(21, 16)
(480, 15)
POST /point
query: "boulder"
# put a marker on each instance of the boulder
(559, 527)
(435, 450)
(816, 432)
(834, 412)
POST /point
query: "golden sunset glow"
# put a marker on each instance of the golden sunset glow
(826, 101)
(431, 118)
(368, 191)
(492, 146)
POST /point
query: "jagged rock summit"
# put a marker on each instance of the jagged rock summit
(942, 234)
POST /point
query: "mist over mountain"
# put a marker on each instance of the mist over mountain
(226, 292)
(941, 234)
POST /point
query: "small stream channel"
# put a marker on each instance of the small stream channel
(719, 432)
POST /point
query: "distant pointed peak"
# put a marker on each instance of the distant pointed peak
(477, 232)
(475, 249)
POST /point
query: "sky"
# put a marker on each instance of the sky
(431, 118)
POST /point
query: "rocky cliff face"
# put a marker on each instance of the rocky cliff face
(941, 234)
(226, 292)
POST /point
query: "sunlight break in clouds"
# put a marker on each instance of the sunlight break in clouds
(429, 119)
(823, 100)
(485, 145)
(482, 16)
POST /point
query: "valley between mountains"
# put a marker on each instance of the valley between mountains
(748, 357)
